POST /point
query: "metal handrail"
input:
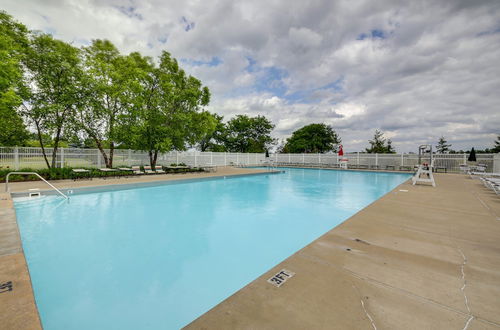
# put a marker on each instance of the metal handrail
(31, 173)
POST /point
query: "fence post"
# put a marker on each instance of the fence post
(465, 158)
(376, 159)
(303, 158)
(357, 158)
(195, 164)
(129, 158)
(337, 158)
(225, 158)
(496, 163)
(98, 159)
(289, 158)
(319, 158)
(62, 157)
(211, 158)
(237, 158)
(16, 158)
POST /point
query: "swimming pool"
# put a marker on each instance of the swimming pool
(158, 257)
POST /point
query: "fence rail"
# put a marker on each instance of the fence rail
(31, 157)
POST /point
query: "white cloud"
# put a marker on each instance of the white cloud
(304, 38)
(416, 70)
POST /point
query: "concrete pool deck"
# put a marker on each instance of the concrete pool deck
(418, 258)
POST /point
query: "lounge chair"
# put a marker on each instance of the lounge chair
(159, 169)
(80, 171)
(148, 170)
(126, 170)
(178, 168)
(492, 183)
(137, 170)
(108, 171)
(209, 168)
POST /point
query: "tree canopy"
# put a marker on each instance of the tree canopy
(214, 140)
(13, 43)
(496, 147)
(53, 73)
(95, 96)
(166, 107)
(313, 138)
(248, 134)
(379, 144)
(442, 146)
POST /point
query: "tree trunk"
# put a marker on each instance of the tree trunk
(111, 152)
(99, 146)
(56, 146)
(39, 133)
(153, 156)
(204, 145)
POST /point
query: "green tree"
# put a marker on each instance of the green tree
(105, 96)
(442, 146)
(167, 107)
(380, 145)
(214, 140)
(389, 148)
(12, 129)
(313, 138)
(54, 74)
(13, 44)
(496, 147)
(248, 134)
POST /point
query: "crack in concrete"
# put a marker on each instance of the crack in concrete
(463, 289)
(364, 308)
(388, 286)
(468, 322)
(464, 280)
(368, 315)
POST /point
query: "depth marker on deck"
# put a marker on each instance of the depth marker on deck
(281, 277)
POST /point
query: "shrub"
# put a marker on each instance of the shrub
(62, 174)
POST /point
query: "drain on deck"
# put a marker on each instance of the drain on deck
(361, 241)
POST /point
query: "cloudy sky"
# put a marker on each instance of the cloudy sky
(414, 69)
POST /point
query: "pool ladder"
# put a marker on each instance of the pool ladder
(271, 166)
(32, 173)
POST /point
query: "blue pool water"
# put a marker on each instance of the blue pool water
(158, 257)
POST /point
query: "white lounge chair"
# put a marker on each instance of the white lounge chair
(492, 183)
(209, 168)
(464, 168)
(82, 171)
(159, 169)
(137, 170)
(148, 170)
(125, 169)
(110, 172)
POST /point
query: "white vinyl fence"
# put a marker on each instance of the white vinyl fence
(28, 157)
(31, 157)
(443, 162)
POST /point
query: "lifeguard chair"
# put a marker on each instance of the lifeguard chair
(342, 161)
(425, 167)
